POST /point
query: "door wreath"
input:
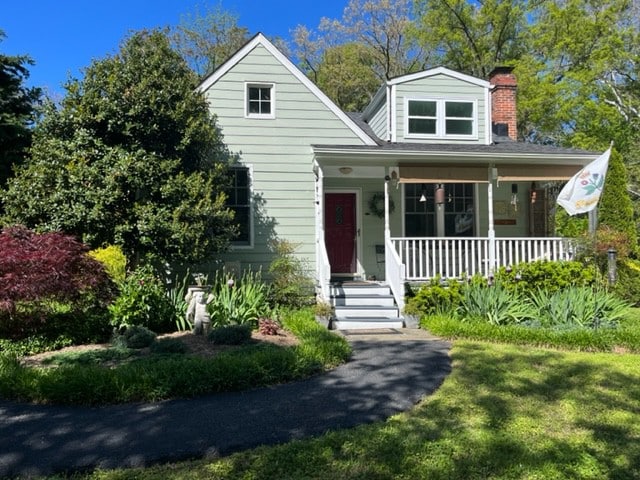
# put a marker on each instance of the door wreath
(376, 204)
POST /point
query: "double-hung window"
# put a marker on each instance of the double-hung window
(260, 100)
(440, 118)
(239, 200)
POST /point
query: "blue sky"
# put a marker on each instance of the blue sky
(63, 36)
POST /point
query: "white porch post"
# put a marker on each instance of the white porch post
(387, 229)
(492, 232)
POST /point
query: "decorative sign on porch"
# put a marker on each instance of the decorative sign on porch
(504, 221)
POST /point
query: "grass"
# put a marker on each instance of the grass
(82, 380)
(625, 337)
(505, 412)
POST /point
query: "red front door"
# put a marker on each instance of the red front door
(340, 231)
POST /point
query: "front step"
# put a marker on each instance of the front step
(360, 306)
(366, 323)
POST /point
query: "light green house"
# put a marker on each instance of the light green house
(427, 180)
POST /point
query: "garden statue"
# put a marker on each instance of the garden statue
(197, 311)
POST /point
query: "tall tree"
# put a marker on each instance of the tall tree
(576, 47)
(206, 39)
(17, 111)
(131, 157)
(372, 35)
(473, 37)
(346, 74)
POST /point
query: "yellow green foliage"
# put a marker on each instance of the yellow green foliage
(113, 260)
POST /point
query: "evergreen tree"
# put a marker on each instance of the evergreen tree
(132, 157)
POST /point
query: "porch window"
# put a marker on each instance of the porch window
(440, 118)
(239, 200)
(419, 216)
(453, 218)
(459, 218)
(260, 100)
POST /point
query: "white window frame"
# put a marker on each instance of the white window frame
(272, 101)
(441, 118)
(237, 245)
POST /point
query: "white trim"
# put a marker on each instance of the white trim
(271, 86)
(260, 39)
(488, 127)
(441, 118)
(394, 115)
(358, 192)
(251, 244)
(439, 71)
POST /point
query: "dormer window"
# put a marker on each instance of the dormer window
(440, 118)
(260, 100)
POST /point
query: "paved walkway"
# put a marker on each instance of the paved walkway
(390, 371)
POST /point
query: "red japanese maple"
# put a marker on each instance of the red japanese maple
(41, 266)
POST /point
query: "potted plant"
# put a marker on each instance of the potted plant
(411, 315)
(324, 312)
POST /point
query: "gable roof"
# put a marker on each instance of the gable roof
(410, 77)
(260, 40)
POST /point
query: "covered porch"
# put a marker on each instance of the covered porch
(443, 213)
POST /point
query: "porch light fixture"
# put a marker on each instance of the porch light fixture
(345, 170)
(393, 177)
(439, 194)
(423, 194)
(514, 196)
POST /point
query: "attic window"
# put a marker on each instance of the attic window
(260, 100)
(440, 118)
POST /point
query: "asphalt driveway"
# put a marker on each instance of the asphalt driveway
(388, 373)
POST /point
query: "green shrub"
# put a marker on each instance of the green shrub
(437, 296)
(546, 275)
(168, 346)
(627, 285)
(143, 301)
(113, 260)
(238, 302)
(578, 307)
(231, 334)
(493, 304)
(134, 336)
(291, 285)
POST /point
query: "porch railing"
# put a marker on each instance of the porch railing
(425, 258)
(324, 270)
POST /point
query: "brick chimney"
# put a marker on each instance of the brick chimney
(503, 102)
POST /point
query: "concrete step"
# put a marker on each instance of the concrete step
(366, 311)
(358, 289)
(363, 300)
(366, 323)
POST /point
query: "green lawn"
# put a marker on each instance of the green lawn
(505, 412)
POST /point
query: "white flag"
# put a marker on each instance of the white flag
(582, 191)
